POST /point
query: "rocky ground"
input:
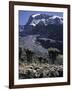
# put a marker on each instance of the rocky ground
(27, 71)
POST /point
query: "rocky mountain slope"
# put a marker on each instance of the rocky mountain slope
(42, 31)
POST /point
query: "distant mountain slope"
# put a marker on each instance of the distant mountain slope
(44, 29)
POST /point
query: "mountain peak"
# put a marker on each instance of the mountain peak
(34, 15)
(45, 19)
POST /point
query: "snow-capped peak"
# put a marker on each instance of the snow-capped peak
(55, 20)
(34, 15)
(53, 17)
(45, 19)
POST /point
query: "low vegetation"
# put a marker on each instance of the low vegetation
(32, 66)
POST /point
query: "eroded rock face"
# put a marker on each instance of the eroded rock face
(41, 71)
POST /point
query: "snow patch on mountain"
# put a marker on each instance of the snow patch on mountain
(34, 15)
(34, 22)
(49, 20)
(55, 20)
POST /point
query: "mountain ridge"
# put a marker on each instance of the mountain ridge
(48, 33)
(45, 19)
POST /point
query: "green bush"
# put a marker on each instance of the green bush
(53, 53)
(59, 60)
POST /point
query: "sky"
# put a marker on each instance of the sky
(24, 15)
